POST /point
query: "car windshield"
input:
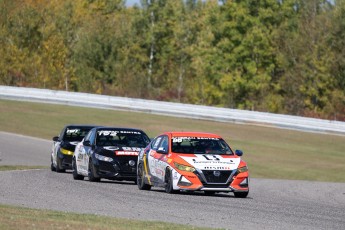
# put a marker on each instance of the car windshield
(74, 134)
(121, 138)
(200, 145)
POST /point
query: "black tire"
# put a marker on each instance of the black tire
(76, 176)
(241, 194)
(140, 179)
(52, 168)
(92, 173)
(169, 183)
(59, 167)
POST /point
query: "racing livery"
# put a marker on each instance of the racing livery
(64, 146)
(109, 152)
(192, 161)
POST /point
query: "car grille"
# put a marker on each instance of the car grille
(106, 166)
(125, 167)
(212, 178)
(117, 166)
(216, 185)
(67, 161)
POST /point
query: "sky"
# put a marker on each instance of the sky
(132, 2)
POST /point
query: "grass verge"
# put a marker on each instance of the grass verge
(27, 218)
(20, 167)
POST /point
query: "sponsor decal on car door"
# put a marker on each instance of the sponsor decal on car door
(158, 160)
(157, 164)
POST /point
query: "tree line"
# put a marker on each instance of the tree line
(280, 56)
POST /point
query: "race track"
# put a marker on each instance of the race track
(272, 204)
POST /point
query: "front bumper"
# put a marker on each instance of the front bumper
(243, 187)
(116, 170)
(226, 181)
(66, 161)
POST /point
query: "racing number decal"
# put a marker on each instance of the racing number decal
(214, 158)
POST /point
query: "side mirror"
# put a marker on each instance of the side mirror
(87, 143)
(238, 152)
(162, 150)
(55, 138)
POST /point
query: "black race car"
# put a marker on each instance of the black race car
(64, 146)
(109, 152)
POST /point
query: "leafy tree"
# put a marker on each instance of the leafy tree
(245, 43)
(336, 41)
(21, 38)
(204, 56)
(307, 57)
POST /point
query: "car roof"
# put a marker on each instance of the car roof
(192, 134)
(80, 126)
(118, 128)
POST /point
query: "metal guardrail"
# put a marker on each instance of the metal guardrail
(173, 109)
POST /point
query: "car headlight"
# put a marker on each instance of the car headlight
(103, 158)
(242, 169)
(184, 167)
(65, 151)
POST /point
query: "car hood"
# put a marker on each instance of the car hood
(212, 162)
(69, 145)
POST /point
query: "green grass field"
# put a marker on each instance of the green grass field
(269, 152)
(20, 167)
(26, 218)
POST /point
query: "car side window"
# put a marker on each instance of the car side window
(156, 142)
(88, 136)
(93, 137)
(61, 136)
(164, 143)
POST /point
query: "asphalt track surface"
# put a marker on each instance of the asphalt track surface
(271, 204)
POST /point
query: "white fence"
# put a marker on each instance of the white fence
(173, 109)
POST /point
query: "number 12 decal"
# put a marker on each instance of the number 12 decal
(214, 157)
